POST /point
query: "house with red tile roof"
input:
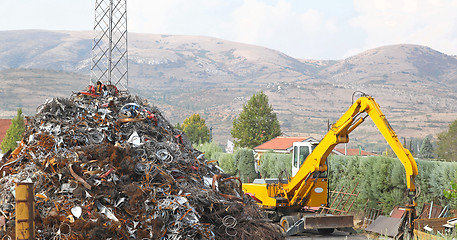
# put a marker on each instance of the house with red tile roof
(285, 145)
(281, 144)
(4, 125)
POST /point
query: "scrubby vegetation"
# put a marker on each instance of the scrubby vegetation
(382, 179)
(272, 164)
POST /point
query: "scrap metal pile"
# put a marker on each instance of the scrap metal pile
(112, 167)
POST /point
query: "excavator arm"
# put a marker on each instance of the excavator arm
(307, 187)
(339, 133)
(299, 189)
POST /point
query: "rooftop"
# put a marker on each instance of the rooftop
(4, 125)
(281, 143)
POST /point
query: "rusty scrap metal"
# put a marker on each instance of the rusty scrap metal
(430, 210)
(437, 224)
(370, 214)
(112, 167)
(340, 199)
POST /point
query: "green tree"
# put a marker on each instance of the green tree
(244, 160)
(226, 162)
(426, 150)
(14, 132)
(447, 142)
(195, 129)
(256, 124)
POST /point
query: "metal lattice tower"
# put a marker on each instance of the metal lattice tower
(109, 49)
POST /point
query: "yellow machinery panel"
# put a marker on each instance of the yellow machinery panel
(272, 190)
(261, 192)
(318, 195)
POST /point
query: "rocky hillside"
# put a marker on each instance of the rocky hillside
(416, 86)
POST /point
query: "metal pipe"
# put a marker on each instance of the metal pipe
(25, 211)
(443, 213)
(430, 213)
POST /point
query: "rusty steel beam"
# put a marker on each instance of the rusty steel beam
(328, 221)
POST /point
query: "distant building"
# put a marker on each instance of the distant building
(230, 147)
(4, 125)
(281, 144)
(285, 145)
(354, 152)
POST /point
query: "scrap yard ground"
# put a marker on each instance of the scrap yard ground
(337, 235)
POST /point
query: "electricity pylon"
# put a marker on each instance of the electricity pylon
(109, 48)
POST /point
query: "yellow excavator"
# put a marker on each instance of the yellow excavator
(308, 187)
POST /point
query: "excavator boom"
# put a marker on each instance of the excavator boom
(339, 133)
(309, 188)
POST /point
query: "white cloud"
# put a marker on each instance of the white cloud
(173, 16)
(256, 21)
(307, 34)
(278, 24)
(426, 22)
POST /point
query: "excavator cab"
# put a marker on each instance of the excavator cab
(301, 150)
(318, 196)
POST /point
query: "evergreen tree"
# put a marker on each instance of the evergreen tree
(256, 124)
(195, 129)
(14, 132)
(244, 160)
(447, 142)
(426, 150)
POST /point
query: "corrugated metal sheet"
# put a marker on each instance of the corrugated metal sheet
(384, 225)
(436, 210)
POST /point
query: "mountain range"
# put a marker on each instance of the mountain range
(414, 85)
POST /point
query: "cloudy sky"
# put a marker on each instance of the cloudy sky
(312, 29)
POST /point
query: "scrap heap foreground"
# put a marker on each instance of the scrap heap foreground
(111, 166)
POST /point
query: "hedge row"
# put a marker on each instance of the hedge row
(382, 179)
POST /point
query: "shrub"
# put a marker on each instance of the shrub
(210, 149)
(244, 159)
(226, 163)
(272, 164)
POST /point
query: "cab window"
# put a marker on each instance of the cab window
(295, 156)
(304, 152)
